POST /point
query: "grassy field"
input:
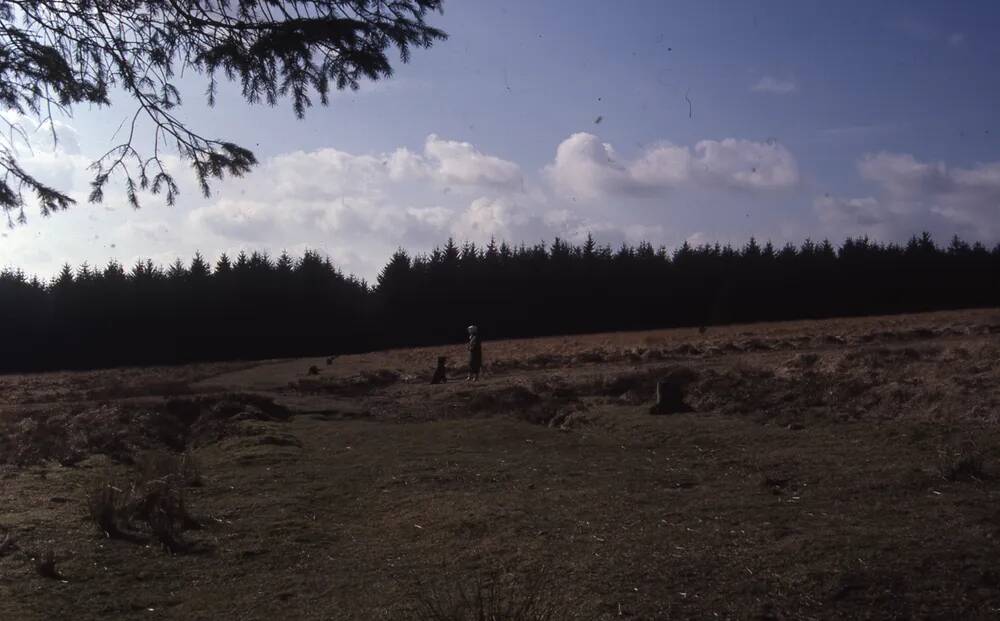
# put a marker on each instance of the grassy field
(829, 469)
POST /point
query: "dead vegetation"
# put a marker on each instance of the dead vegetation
(7, 544)
(364, 383)
(487, 596)
(149, 504)
(108, 384)
(123, 430)
(45, 565)
(963, 461)
(817, 476)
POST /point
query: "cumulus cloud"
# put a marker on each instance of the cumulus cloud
(460, 163)
(452, 163)
(663, 166)
(903, 176)
(437, 217)
(746, 164)
(34, 134)
(359, 207)
(239, 219)
(863, 212)
(587, 168)
(388, 199)
(913, 193)
(487, 218)
(768, 84)
(364, 206)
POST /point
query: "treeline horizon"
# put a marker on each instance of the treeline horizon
(254, 306)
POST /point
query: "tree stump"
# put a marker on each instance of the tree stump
(669, 399)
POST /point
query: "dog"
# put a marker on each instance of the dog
(439, 373)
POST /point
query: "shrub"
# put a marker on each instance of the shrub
(122, 431)
(109, 509)
(45, 565)
(160, 504)
(153, 500)
(160, 464)
(962, 463)
(7, 544)
(489, 597)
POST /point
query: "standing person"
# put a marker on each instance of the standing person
(475, 354)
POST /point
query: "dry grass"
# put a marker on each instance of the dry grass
(125, 430)
(160, 503)
(962, 462)
(7, 544)
(108, 505)
(800, 487)
(45, 565)
(152, 502)
(161, 464)
(491, 596)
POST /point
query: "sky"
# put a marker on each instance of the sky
(634, 120)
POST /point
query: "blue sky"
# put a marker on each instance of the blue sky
(806, 119)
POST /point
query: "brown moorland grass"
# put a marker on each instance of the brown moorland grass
(827, 470)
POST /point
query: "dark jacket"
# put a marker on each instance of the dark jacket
(475, 353)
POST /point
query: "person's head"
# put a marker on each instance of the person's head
(441, 360)
(473, 330)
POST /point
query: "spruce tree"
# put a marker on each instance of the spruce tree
(55, 55)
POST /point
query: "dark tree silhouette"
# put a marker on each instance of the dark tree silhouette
(257, 307)
(55, 54)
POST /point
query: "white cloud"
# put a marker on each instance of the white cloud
(863, 212)
(698, 238)
(31, 134)
(239, 219)
(437, 217)
(360, 207)
(915, 195)
(663, 166)
(460, 163)
(404, 164)
(586, 168)
(746, 164)
(768, 84)
(486, 218)
(333, 173)
(903, 176)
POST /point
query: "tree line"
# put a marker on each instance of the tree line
(256, 306)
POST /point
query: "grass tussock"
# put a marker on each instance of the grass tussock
(108, 505)
(487, 597)
(123, 432)
(159, 464)
(7, 544)
(45, 565)
(151, 505)
(962, 462)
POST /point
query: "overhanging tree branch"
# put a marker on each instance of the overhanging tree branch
(55, 54)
